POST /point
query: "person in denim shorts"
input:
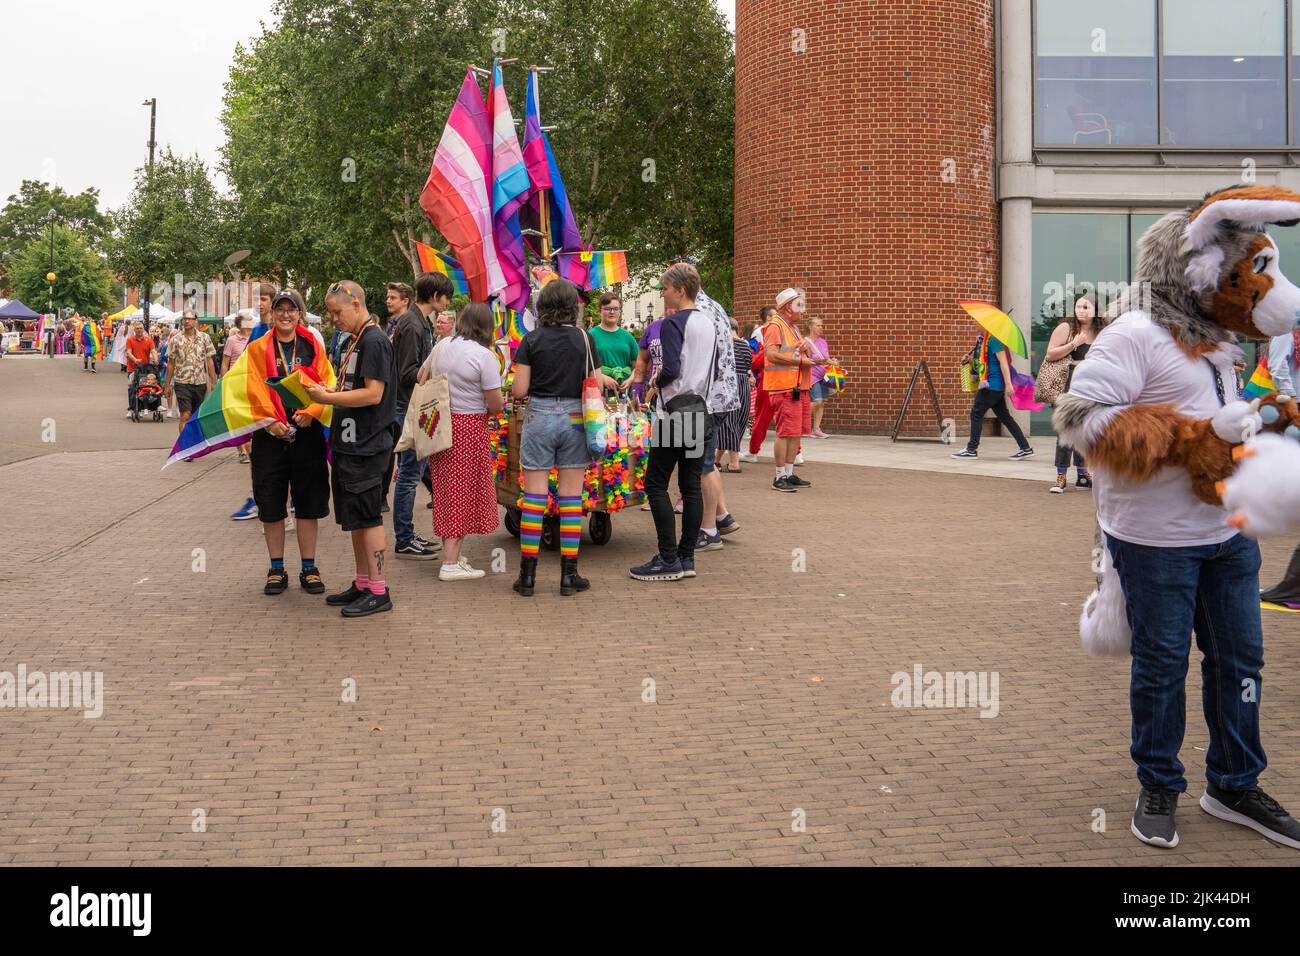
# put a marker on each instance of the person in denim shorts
(550, 364)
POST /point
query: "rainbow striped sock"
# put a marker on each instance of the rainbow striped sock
(530, 524)
(570, 525)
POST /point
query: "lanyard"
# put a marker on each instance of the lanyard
(288, 368)
(1218, 383)
(343, 366)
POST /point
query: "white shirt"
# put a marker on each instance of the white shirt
(1282, 364)
(697, 359)
(470, 369)
(1136, 362)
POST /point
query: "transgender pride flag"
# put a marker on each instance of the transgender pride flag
(457, 195)
(510, 190)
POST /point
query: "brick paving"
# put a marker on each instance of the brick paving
(773, 686)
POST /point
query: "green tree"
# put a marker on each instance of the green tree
(332, 117)
(24, 218)
(84, 282)
(174, 223)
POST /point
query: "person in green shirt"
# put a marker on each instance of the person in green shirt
(617, 346)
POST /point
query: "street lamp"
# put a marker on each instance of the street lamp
(50, 276)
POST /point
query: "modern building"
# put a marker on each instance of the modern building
(898, 155)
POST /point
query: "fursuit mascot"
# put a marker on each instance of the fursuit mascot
(1188, 475)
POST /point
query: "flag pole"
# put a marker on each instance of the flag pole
(544, 215)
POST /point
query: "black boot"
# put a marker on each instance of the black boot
(527, 576)
(570, 581)
(1288, 589)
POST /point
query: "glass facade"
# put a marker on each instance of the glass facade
(1198, 73)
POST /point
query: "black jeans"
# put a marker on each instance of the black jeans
(985, 399)
(1063, 455)
(659, 469)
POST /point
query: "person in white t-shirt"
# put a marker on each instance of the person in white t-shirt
(1154, 407)
(464, 491)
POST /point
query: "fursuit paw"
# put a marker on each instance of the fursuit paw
(1103, 625)
(1237, 421)
(1263, 496)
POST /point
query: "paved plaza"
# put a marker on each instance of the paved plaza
(743, 717)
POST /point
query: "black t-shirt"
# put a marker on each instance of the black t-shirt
(557, 360)
(365, 431)
(290, 356)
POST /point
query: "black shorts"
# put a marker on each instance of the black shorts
(297, 468)
(189, 397)
(360, 484)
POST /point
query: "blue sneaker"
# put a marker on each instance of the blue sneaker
(657, 569)
(688, 566)
(246, 511)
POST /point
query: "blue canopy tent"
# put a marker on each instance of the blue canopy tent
(16, 310)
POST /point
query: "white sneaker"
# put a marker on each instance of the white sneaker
(798, 459)
(462, 571)
(128, 413)
(752, 459)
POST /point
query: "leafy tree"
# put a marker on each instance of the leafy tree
(23, 218)
(84, 282)
(173, 223)
(332, 117)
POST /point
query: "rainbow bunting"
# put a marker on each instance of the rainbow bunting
(431, 260)
(247, 399)
(92, 341)
(1260, 384)
(593, 270)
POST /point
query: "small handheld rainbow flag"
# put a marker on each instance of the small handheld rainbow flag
(1260, 384)
(290, 388)
(92, 341)
(593, 270)
(431, 260)
(834, 378)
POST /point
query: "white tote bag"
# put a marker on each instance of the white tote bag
(427, 426)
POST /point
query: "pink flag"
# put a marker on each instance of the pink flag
(457, 195)
(510, 190)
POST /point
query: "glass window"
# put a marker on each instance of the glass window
(1225, 73)
(1096, 72)
(1073, 252)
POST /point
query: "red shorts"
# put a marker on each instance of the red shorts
(792, 416)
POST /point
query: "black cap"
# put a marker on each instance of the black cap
(291, 296)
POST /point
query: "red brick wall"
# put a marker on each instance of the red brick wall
(840, 161)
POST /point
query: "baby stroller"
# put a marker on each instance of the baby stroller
(146, 400)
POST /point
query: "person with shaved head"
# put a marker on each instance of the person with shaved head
(362, 435)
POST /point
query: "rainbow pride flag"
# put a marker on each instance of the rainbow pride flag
(510, 323)
(1260, 384)
(247, 399)
(431, 260)
(92, 341)
(593, 270)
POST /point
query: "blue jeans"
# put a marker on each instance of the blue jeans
(1214, 590)
(408, 476)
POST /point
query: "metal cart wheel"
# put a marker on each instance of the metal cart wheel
(512, 521)
(551, 533)
(600, 527)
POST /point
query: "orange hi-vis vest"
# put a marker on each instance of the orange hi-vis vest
(782, 378)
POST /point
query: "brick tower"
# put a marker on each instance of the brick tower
(864, 173)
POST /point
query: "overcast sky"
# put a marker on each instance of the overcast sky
(77, 71)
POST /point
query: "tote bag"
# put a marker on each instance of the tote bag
(427, 426)
(593, 406)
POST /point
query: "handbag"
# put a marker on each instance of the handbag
(1053, 380)
(427, 426)
(594, 415)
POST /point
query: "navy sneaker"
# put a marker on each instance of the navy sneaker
(657, 569)
(246, 511)
(728, 524)
(688, 566)
(708, 542)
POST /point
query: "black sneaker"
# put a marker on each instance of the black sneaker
(1020, 454)
(434, 546)
(1255, 809)
(1083, 481)
(277, 582)
(965, 453)
(657, 569)
(369, 603)
(688, 566)
(414, 550)
(1153, 817)
(346, 597)
(782, 484)
(311, 582)
(797, 482)
(728, 524)
(708, 542)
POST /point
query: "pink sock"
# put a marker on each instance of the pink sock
(378, 588)
(363, 582)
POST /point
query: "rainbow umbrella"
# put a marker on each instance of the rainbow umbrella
(997, 324)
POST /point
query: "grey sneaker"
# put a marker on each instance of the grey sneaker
(1255, 809)
(1153, 817)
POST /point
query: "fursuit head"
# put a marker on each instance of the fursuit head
(1206, 274)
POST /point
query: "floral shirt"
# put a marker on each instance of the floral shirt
(191, 358)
